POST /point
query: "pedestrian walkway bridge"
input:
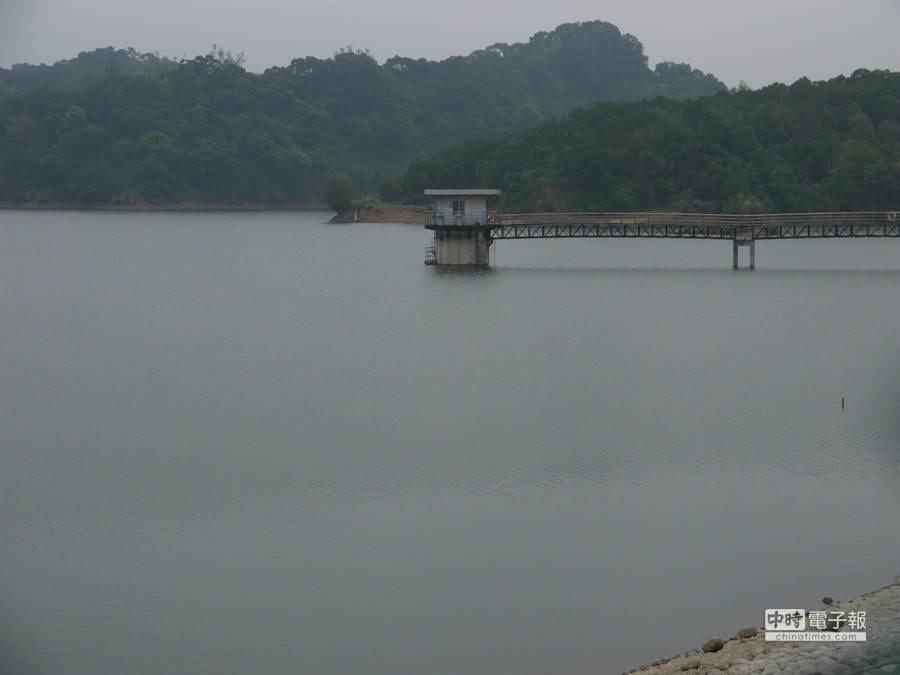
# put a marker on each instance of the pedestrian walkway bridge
(741, 230)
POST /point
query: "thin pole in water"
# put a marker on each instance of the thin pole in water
(842, 402)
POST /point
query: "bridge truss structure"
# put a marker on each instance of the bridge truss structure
(468, 244)
(696, 226)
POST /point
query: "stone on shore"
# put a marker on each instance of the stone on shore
(750, 654)
(713, 645)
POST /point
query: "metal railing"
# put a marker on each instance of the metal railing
(699, 219)
(450, 219)
(698, 225)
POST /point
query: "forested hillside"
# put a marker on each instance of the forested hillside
(206, 129)
(74, 73)
(809, 146)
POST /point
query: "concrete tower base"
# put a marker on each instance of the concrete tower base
(462, 246)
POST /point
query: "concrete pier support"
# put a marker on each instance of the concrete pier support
(737, 243)
(463, 246)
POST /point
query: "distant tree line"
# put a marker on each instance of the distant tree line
(74, 73)
(117, 126)
(809, 146)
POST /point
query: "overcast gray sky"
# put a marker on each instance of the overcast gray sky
(758, 41)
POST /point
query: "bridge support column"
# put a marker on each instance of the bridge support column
(462, 246)
(737, 243)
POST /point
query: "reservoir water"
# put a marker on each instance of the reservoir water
(241, 443)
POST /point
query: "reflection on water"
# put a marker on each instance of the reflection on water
(259, 443)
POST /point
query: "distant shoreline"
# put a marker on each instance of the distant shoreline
(173, 206)
(383, 213)
(367, 213)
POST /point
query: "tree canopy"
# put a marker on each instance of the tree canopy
(117, 126)
(73, 73)
(809, 146)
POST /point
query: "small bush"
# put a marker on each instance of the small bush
(338, 193)
(391, 188)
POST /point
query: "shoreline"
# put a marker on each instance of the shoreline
(747, 652)
(402, 215)
(172, 206)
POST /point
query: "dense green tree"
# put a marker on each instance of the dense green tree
(339, 193)
(118, 126)
(804, 147)
(74, 73)
(390, 189)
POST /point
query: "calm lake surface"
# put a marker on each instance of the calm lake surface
(241, 443)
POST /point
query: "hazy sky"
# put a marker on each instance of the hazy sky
(758, 41)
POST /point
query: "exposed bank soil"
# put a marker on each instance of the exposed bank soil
(747, 653)
(383, 214)
(173, 206)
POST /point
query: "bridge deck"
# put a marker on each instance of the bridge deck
(690, 225)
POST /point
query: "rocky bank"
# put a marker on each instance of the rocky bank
(747, 653)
